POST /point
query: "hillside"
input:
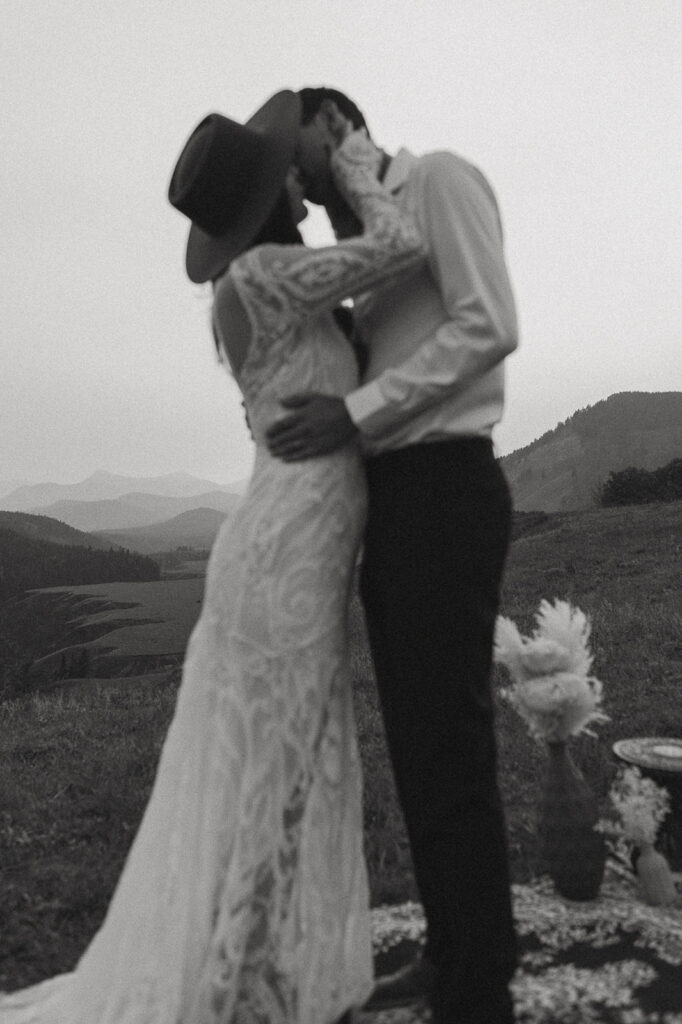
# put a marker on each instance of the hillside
(103, 486)
(52, 530)
(194, 529)
(28, 563)
(561, 470)
(136, 509)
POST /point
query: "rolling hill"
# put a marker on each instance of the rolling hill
(43, 528)
(196, 528)
(561, 470)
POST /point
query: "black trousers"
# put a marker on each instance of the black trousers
(436, 541)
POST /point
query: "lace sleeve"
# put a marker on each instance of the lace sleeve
(279, 285)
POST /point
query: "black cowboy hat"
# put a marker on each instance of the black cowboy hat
(228, 178)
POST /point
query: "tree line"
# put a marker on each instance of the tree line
(633, 486)
(27, 564)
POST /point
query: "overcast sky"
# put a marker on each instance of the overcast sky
(571, 108)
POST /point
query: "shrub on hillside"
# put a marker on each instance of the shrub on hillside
(633, 486)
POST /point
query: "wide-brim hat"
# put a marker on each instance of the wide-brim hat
(228, 178)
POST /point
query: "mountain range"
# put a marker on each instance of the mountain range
(103, 486)
(135, 509)
(563, 469)
(560, 471)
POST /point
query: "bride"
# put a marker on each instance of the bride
(244, 898)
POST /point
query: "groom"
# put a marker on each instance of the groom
(435, 545)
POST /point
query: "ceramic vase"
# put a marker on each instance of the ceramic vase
(655, 879)
(575, 854)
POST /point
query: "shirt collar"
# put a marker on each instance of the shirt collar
(399, 170)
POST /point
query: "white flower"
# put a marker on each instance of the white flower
(569, 628)
(641, 805)
(558, 644)
(508, 646)
(552, 691)
(543, 657)
(557, 706)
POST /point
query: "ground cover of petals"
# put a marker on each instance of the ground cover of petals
(612, 960)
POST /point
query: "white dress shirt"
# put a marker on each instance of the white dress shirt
(437, 339)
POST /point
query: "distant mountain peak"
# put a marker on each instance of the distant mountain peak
(105, 474)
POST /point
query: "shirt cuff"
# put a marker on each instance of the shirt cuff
(365, 406)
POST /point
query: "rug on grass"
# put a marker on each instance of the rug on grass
(612, 960)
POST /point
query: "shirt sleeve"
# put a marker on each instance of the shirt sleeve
(459, 220)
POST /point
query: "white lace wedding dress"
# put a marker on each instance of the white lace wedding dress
(244, 895)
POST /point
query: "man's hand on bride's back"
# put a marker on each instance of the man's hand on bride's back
(317, 424)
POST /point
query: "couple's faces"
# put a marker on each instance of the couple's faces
(295, 191)
(314, 148)
(309, 176)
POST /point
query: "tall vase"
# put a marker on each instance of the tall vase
(574, 852)
(655, 880)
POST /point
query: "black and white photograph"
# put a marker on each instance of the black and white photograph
(341, 512)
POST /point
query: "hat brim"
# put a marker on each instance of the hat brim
(279, 121)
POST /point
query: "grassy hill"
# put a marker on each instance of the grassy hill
(76, 765)
(36, 552)
(45, 528)
(562, 469)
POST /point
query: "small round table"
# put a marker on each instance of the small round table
(660, 758)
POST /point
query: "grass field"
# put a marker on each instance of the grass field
(76, 764)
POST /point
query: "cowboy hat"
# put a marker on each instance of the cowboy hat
(228, 178)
